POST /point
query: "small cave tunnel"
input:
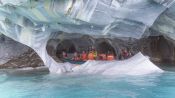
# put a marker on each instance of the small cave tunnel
(67, 46)
(105, 47)
(166, 49)
(56, 46)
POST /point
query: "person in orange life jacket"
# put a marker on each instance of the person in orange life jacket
(90, 56)
(110, 56)
(95, 53)
(84, 56)
(102, 56)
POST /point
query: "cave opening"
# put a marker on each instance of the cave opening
(105, 47)
(67, 46)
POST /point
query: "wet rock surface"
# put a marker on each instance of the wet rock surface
(161, 51)
(10, 49)
(27, 59)
(17, 55)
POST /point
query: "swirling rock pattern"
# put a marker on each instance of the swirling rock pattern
(32, 22)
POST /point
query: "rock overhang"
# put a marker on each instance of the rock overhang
(119, 18)
(34, 22)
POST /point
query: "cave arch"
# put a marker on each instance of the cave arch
(88, 39)
(52, 46)
(104, 45)
(66, 45)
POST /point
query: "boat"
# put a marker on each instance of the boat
(79, 62)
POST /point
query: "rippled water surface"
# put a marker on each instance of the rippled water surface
(156, 85)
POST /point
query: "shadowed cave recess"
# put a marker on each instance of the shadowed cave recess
(160, 50)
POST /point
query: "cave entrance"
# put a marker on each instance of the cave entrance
(67, 46)
(105, 47)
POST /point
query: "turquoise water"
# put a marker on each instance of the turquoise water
(156, 85)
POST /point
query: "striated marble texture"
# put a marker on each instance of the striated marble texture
(34, 22)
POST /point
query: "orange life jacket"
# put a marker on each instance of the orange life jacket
(84, 56)
(110, 57)
(90, 56)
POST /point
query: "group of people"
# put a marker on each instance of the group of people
(92, 54)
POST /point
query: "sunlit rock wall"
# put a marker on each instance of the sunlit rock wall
(165, 24)
(123, 18)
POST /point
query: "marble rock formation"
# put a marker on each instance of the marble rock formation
(16, 55)
(160, 49)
